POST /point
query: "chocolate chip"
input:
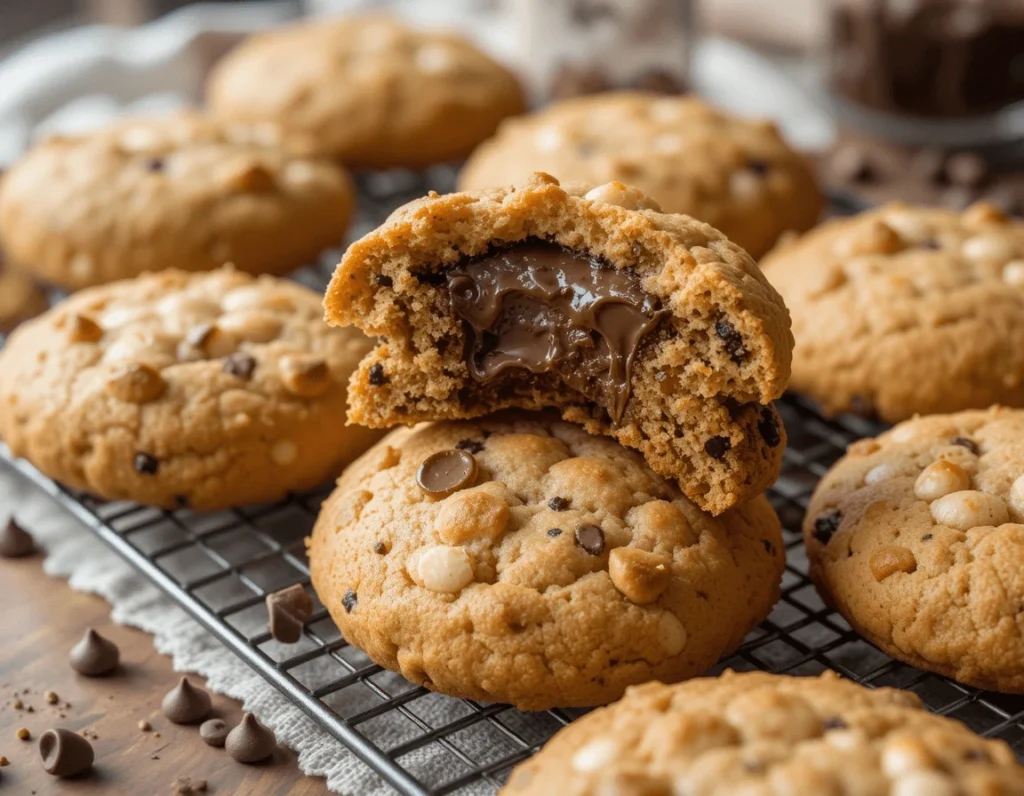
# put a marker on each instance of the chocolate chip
(471, 445)
(350, 600)
(380, 548)
(769, 548)
(553, 532)
(145, 464)
(154, 165)
(377, 377)
(717, 447)
(558, 504)
(591, 539)
(383, 280)
(758, 166)
(827, 524)
(94, 655)
(964, 442)
(250, 741)
(65, 753)
(732, 340)
(288, 611)
(15, 541)
(186, 704)
(240, 365)
(966, 169)
(768, 428)
(927, 537)
(834, 723)
(180, 501)
(214, 732)
(929, 243)
(445, 472)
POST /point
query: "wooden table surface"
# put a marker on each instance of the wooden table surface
(41, 618)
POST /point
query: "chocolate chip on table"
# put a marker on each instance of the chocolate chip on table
(145, 464)
(186, 704)
(288, 611)
(94, 655)
(471, 445)
(377, 377)
(214, 732)
(65, 753)
(826, 525)
(349, 601)
(732, 340)
(445, 472)
(558, 504)
(768, 428)
(717, 447)
(250, 741)
(964, 442)
(383, 280)
(15, 541)
(240, 365)
(591, 539)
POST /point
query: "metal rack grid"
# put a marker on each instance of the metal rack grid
(220, 566)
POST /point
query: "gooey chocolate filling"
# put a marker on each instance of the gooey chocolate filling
(537, 307)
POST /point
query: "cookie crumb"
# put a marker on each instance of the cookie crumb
(24, 734)
(51, 698)
(17, 704)
(4, 761)
(145, 726)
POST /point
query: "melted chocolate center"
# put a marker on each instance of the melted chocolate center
(540, 308)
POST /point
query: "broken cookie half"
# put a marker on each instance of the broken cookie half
(649, 328)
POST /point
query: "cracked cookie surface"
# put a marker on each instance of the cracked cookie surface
(536, 564)
(917, 539)
(906, 310)
(168, 192)
(367, 90)
(173, 389)
(759, 733)
(738, 176)
(647, 327)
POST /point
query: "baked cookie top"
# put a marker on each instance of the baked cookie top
(768, 734)
(738, 176)
(906, 310)
(171, 389)
(916, 537)
(168, 192)
(367, 90)
(648, 327)
(519, 559)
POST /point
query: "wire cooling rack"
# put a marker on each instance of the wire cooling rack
(220, 566)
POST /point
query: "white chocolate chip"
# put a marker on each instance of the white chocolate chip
(1013, 273)
(880, 472)
(284, 451)
(254, 326)
(445, 569)
(939, 479)
(254, 297)
(435, 59)
(987, 247)
(903, 755)
(548, 139)
(671, 634)
(745, 186)
(621, 195)
(846, 740)
(923, 783)
(969, 509)
(595, 755)
(137, 139)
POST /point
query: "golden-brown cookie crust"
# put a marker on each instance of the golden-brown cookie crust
(174, 389)
(564, 572)
(368, 91)
(916, 537)
(907, 310)
(759, 733)
(738, 176)
(701, 389)
(20, 299)
(173, 192)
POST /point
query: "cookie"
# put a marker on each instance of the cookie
(916, 538)
(738, 176)
(20, 299)
(759, 733)
(906, 310)
(650, 328)
(367, 91)
(519, 559)
(175, 389)
(172, 192)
